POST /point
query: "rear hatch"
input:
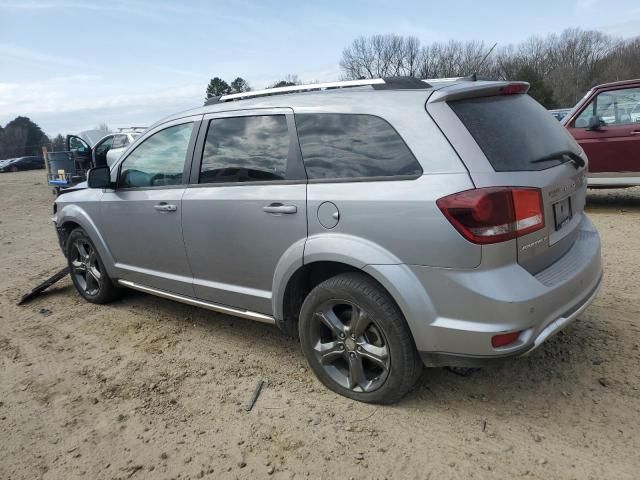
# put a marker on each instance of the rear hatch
(505, 138)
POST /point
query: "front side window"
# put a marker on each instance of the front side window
(616, 107)
(345, 146)
(246, 149)
(159, 160)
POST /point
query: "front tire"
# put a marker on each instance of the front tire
(357, 341)
(87, 269)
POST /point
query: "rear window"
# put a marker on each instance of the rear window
(513, 131)
(351, 146)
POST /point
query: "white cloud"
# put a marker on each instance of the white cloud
(78, 102)
(585, 5)
(14, 53)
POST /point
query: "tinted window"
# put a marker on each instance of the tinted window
(246, 149)
(513, 131)
(352, 146)
(159, 160)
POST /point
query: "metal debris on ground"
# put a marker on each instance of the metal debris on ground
(44, 285)
(463, 371)
(254, 397)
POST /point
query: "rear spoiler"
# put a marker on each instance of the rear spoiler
(462, 90)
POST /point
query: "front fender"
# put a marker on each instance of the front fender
(72, 213)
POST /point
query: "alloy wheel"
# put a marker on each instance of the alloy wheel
(350, 347)
(85, 267)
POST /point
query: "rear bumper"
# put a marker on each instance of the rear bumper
(437, 359)
(457, 312)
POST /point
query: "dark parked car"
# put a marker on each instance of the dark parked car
(21, 163)
(606, 124)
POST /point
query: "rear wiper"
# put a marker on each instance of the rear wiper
(566, 155)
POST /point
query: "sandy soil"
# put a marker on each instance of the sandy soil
(147, 388)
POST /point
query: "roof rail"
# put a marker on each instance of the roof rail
(444, 79)
(131, 129)
(386, 83)
(300, 88)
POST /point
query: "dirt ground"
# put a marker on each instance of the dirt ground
(148, 388)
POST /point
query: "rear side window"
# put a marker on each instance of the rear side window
(246, 149)
(346, 146)
(514, 131)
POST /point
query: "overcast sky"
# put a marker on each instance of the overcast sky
(70, 65)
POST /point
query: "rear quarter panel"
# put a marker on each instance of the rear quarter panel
(392, 221)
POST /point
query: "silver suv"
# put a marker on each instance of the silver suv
(387, 223)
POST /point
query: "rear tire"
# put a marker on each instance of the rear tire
(87, 269)
(357, 341)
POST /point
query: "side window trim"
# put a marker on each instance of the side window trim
(197, 121)
(295, 166)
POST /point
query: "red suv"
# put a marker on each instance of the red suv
(606, 124)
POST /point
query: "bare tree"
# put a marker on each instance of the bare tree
(289, 81)
(562, 66)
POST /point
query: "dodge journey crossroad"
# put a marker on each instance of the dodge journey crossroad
(387, 223)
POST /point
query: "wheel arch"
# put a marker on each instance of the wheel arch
(72, 217)
(322, 257)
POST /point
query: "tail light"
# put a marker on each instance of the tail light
(514, 89)
(494, 214)
(504, 339)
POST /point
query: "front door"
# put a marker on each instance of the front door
(615, 146)
(246, 206)
(141, 218)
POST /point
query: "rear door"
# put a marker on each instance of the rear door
(615, 147)
(245, 207)
(502, 139)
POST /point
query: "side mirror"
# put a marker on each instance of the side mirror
(99, 177)
(595, 123)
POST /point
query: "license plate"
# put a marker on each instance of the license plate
(562, 212)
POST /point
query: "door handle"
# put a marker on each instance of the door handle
(165, 207)
(280, 208)
(635, 132)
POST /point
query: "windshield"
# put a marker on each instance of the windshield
(514, 132)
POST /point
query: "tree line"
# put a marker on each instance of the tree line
(217, 86)
(559, 67)
(21, 137)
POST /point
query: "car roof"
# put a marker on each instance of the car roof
(317, 98)
(621, 83)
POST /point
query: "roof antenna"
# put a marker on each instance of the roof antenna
(474, 77)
